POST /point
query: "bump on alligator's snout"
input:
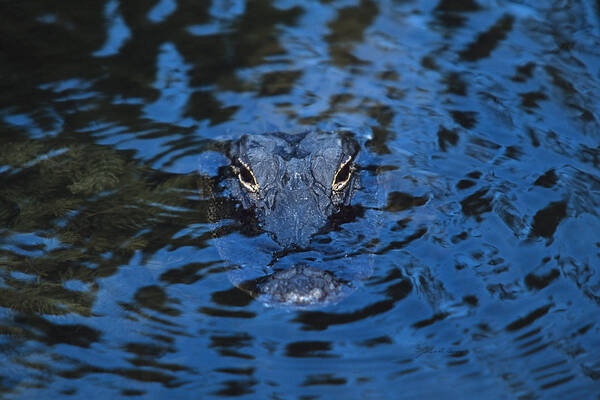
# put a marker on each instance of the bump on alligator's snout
(299, 286)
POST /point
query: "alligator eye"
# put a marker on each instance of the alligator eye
(246, 177)
(342, 175)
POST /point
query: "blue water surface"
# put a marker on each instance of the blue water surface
(479, 129)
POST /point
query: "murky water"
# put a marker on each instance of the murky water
(479, 129)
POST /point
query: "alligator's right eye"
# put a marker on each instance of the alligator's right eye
(342, 175)
(246, 177)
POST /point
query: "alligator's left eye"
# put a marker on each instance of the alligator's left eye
(342, 175)
(246, 177)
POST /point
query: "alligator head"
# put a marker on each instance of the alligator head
(294, 182)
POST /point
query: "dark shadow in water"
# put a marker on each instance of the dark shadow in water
(395, 291)
(347, 29)
(486, 42)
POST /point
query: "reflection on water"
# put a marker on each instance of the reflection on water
(480, 128)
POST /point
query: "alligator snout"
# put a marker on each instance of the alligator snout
(295, 217)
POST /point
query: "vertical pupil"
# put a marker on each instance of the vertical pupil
(343, 174)
(246, 175)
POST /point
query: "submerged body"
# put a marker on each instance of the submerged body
(293, 184)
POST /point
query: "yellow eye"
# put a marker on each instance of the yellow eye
(246, 177)
(342, 175)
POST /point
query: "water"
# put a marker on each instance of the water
(479, 124)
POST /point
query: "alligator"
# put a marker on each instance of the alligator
(293, 184)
